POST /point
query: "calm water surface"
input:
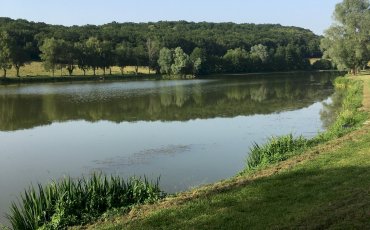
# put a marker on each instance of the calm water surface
(187, 132)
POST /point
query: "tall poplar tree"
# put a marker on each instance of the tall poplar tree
(5, 61)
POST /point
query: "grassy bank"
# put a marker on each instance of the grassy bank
(326, 186)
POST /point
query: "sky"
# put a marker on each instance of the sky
(315, 15)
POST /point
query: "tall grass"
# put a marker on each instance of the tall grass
(73, 202)
(275, 150)
(281, 148)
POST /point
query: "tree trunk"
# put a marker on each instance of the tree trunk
(84, 72)
(53, 72)
(110, 70)
(136, 70)
(121, 68)
(94, 71)
(70, 70)
(17, 67)
(4, 73)
(104, 71)
(61, 71)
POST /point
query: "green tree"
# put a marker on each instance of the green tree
(106, 56)
(139, 57)
(20, 50)
(153, 47)
(82, 56)
(261, 52)
(181, 62)
(236, 59)
(5, 58)
(69, 55)
(123, 55)
(94, 50)
(51, 52)
(347, 42)
(197, 59)
(165, 60)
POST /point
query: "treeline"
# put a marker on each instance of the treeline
(167, 47)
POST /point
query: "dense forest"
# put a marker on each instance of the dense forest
(167, 47)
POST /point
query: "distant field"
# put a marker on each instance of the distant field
(313, 60)
(37, 69)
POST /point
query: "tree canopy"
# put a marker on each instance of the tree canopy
(347, 41)
(266, 47)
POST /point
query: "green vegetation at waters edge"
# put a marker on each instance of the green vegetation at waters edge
(281, 148)
(275, 150)
(72, 202)
(172, 48)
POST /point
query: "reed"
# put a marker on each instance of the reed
(74, 202)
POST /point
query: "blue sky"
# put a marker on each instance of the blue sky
(311, 14)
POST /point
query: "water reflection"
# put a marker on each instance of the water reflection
(24, 107)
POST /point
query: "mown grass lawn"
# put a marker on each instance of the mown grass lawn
(326, 187)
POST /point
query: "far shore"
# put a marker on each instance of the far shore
(133, 77)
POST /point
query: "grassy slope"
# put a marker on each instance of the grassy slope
(327, 187)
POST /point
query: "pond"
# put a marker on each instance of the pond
(188, 132)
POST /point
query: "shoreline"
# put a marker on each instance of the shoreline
(139, 77)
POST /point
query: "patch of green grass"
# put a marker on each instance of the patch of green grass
(72, 202)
